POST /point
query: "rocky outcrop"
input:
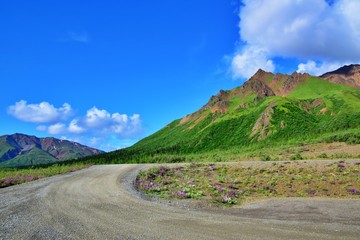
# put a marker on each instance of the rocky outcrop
(218, 103)
(261, 128)
(347, 75)
(258, 87)
(266, 84)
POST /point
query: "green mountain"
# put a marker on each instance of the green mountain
(268, 110)
(23, 150)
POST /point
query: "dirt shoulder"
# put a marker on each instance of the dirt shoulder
(100, 203)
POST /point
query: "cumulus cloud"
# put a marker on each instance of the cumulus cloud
(246, 63)
(43, 112)
(96, 128)
(57, 128)
(74, 127)
(317, 69)
(310, 30)
(101, 121)
(98, 122)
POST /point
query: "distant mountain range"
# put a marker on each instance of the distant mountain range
(23, 150)
(268, 109)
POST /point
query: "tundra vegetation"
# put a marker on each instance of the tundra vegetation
(13, 176)
(233, 184)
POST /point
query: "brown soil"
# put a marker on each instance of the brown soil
(330, 149)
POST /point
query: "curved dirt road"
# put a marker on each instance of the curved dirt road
(99, 203)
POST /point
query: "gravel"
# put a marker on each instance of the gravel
(100, 203)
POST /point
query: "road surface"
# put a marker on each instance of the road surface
(100, 203)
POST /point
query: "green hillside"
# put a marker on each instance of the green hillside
(268, 111)
(18, 150)
(35, 157)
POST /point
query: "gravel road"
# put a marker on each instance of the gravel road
(99, 203)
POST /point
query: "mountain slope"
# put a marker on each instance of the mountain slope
(348, 75)
(266, 107)
(23, 150)
(268, 110)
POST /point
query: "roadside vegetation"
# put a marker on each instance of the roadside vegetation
(13, 176)
(234, 184)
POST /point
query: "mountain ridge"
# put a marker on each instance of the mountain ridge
(267, 110)
(348, 75)
(22, 150)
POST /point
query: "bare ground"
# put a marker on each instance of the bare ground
(100, 203)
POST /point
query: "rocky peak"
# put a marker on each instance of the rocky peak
(266, 84)
(347, 75)
(23, 140)
(345, 70)
(261, 75)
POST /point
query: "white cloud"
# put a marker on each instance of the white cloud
(96, 118)
(246, 63)
(78, 37)
(98, 122)
(310, 30)
(102, 122)
(317, 69)
(75, 128)
(43, 112)
(41, 128)
(57, 128)
(96, 128)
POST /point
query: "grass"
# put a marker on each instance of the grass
(14, 176)
(233, 184)
(316, 87)
(295, 121)
(36, 156)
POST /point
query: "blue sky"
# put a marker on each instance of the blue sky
(108, 73)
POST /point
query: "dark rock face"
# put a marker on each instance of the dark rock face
(21, 144)
(348, 75)
(345, 70)
(259, 87)
(10, 154)
(22, 141)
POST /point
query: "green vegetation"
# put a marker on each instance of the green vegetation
(316, 111)
(24, 150)
(35, 157)
(234, 183)
(13, 176)
(244, 124)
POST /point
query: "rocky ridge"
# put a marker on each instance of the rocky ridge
(347, 75)
(261, 85)
(19, 145)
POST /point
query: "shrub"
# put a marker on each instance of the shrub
(265, 158)
(323, 155)
(296, 156)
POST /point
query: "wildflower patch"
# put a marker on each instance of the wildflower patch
(231, 184)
